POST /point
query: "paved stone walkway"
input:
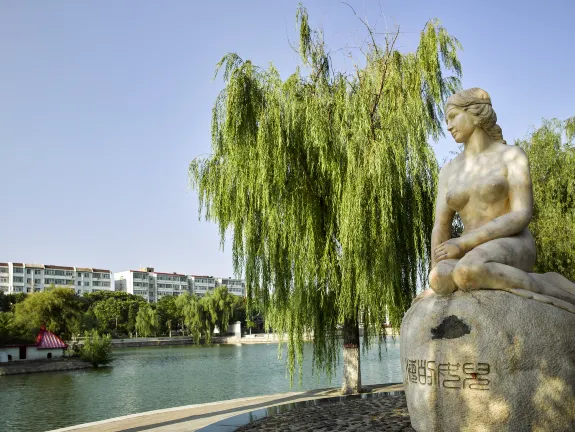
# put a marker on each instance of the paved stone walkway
(380, 413)
(387, 414)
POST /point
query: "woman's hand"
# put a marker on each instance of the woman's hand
(451, 249)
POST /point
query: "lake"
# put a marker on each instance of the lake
(144, 379)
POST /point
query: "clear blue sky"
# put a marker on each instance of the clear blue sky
(104, 103)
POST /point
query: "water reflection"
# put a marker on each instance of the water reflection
(145, 379)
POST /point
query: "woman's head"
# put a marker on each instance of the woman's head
(477, 102)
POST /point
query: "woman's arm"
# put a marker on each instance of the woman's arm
(443, 216)
(520, 203)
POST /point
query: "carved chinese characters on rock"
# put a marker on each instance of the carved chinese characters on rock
(449, 375)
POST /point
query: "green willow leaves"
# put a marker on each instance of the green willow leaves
(551, 153)
(327, 183)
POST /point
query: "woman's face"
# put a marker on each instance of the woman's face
(460, 124)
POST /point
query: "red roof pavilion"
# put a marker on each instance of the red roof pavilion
(48, 340)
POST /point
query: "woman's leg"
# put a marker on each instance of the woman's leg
(504, 264)
(440, 279)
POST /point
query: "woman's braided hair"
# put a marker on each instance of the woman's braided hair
(477, 103)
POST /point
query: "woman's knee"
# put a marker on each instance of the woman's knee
(468, 274)
(440, 280)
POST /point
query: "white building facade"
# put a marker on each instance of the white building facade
(153, 285)
(202, 284)
(150, 284)
(235, 286)
(29, 278)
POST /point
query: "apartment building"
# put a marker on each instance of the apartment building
(28, 278)
(150, 284)
(202, 284)
(153, 285)
(235, 286)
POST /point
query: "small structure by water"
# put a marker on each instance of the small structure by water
(47, 346)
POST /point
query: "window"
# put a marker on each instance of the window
(79, 283)
(18, 279)
(28, 280)
(96, 275)
(28, 271)
(79, 274)
(3, 279)
(106, 275)
(86, 283)
(96, 283)
(37, 281)
(3, 269)
(37, 271)
(69, 273)
(18, 270)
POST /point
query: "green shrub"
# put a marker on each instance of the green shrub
(96, 349)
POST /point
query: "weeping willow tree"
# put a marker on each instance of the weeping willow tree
(326, 182)
(551, 152)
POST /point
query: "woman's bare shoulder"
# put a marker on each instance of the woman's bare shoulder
(512, 153)
(451, 166)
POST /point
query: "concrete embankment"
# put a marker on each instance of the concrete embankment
(186, 340)
(31, 366)
(192, 417)
(259, 338)
(143, 342)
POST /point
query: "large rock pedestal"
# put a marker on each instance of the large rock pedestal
(488, 361)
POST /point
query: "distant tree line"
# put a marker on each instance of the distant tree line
(118, 314)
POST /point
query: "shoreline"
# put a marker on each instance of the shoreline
(194, 417)
(257, 338)
(34, 366)
(74, 363)
(268, 338)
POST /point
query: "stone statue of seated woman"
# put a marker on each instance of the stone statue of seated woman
(489, 186)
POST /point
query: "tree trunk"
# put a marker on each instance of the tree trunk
(351, 359)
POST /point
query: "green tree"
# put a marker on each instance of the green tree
(551, 153)
(59, 309)
(327, 182)
(209, 314)
(239, 310)
(146, 320)
(133, 309)
(192, 314)
(224, 304)
(7, 301)
(108, 311)
(10, 333)
(96, 349)
(168, 314)
(116, 311)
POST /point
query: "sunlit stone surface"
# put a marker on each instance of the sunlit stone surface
(489, 361)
